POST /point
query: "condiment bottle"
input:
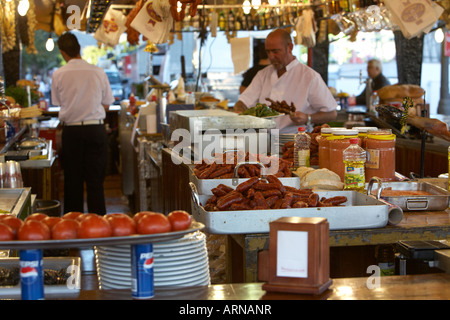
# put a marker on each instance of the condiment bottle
(302, 141)
(385, 256)
(380, 148)
(338, 142)
(324, 152)
(354, 159)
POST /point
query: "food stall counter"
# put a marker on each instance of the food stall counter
(408, 287)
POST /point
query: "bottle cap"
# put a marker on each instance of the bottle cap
(354, 140)
(301, 128)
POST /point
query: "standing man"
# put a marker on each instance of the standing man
(375, 72)
(83, 92)
(287, 79)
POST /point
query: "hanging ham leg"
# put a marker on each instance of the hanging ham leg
(434, 127)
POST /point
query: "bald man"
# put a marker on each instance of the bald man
(288, 79)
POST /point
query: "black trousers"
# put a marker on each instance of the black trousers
(84, 156)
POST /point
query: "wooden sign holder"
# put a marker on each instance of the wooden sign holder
(310, 272)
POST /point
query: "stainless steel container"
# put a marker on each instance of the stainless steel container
(438, 200)
(359, 212)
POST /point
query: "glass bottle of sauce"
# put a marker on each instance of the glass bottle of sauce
(380, 148)
(324, 152)
(338, 142)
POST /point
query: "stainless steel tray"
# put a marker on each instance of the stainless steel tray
(359, 212)
(439, 200)
(57, 263)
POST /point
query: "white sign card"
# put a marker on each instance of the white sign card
(292, 254)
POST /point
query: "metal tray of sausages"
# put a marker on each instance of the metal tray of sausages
(204, 186)
(437, 201)
(359, 212)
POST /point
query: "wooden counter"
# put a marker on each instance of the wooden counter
(410, 287)
(351, 250)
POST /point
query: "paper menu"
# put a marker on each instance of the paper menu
(240, 53)
(292, 254)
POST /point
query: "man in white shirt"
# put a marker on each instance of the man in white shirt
(287, 79)
(83, 93)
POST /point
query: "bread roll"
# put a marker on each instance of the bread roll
(322, 179)
(399, 91)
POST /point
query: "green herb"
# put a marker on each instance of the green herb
(261, 111)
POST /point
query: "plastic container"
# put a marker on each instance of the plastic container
(302, 142)
(338, 142)
(363, 132)
(354, 159)
(380, 148)
(324, 152)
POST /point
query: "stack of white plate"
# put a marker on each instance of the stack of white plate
(177, 263)
(283, 138)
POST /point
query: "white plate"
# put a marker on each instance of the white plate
(200, 280)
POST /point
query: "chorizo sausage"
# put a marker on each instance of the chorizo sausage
(225, 188)
(271, 200)
(271, 192)
(313, 200)
(287, 200)
(219, 172)
(205, 173)
(300, 204)
(260, 201)
(228, 200)
(335, 201)
(218, 192)
(244, 186)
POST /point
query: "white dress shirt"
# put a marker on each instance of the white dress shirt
(300, 84)
(80, 89)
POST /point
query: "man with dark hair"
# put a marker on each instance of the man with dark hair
(83, 93)
(288, 79)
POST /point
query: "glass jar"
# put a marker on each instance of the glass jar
(324, 152)
(338, 142)
(380, 148)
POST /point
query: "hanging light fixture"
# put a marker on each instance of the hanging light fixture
(246, 6)
(23, 7)
(50, 44)
(256, 4)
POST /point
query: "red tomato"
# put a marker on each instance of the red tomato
(4, 215)
(51, 221)
(72, 215)
(36, 216)
(14, 223)
(33, 230)
(65, 229)
(6, 233)
(153, 223)
(121, 224)
(180, 220)
(94, 226)
(83, 216)
(140, 214)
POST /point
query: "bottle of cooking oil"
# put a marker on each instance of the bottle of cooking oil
(354, 159)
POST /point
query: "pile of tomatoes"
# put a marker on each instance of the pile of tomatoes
(76, 225)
